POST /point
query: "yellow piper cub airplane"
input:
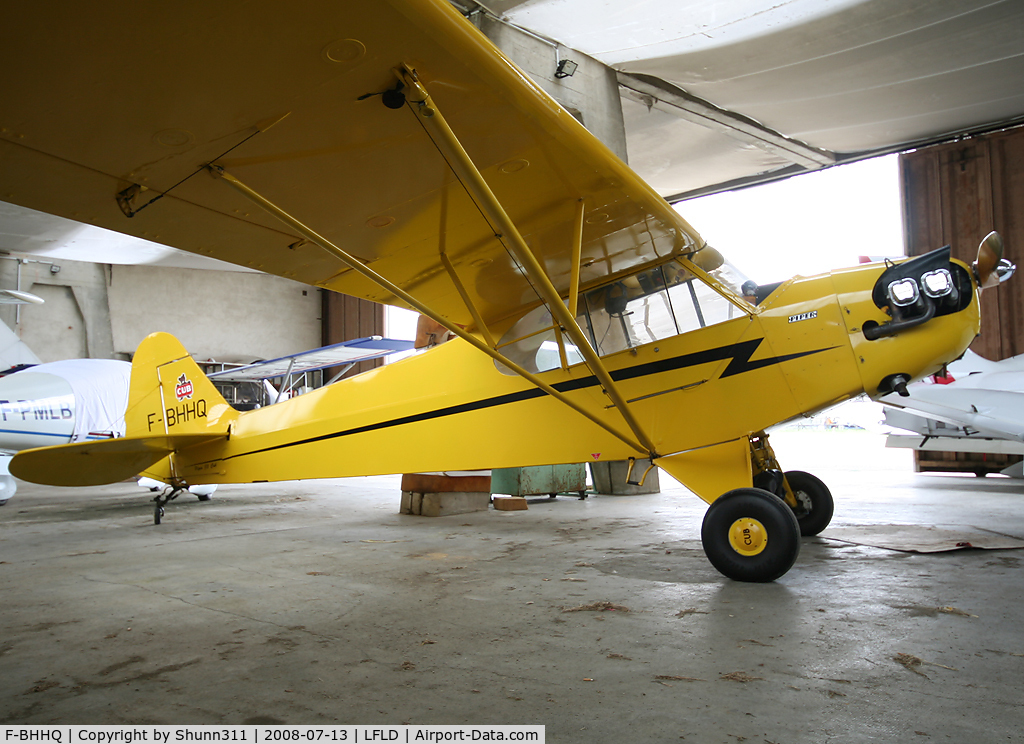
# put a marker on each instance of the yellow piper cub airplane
(386, 149)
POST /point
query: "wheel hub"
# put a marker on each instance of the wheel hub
(748, 536)
(803, 503)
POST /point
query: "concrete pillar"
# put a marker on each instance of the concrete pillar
(95, 307)
(610, 478)
(75, 320)
(591, 94)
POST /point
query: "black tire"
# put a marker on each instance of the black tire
(158, 512)
(762, 520)
(204, 497)
(814, 502)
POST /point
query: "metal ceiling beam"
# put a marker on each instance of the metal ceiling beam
(654, 92)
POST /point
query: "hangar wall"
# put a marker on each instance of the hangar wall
(74, 322)
(224, 315)
(956, 194)
(104, 311)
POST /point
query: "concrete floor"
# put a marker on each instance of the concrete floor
(315, 602)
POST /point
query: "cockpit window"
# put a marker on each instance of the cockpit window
(648, 306)
(532, 343)
(634, 311)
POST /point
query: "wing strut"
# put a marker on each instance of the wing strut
(577, 259)
(458, 159)
(361, 268)
(477, 318)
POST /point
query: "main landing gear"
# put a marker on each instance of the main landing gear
(750, 535)
(753, 534)
(814, 503)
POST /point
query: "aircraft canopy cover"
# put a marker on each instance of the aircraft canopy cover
(100, 387)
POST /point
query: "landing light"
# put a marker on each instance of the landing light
(938, 283)
(903, 292)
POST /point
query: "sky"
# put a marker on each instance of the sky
(806, 224)
(803, 225)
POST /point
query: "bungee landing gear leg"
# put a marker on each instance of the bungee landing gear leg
(809, 498)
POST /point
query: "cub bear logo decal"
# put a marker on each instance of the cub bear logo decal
(183, 389)
(183, 413)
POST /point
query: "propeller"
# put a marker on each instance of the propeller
(990, 268)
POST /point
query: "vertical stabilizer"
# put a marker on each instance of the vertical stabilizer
(13, 351)
(169, 394)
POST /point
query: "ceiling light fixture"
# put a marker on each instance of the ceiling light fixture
(566, 68)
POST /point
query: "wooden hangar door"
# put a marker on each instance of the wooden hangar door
(955, 194)
(345, 318)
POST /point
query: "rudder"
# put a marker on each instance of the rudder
(170, 395)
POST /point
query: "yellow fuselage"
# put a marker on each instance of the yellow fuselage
(449, 408)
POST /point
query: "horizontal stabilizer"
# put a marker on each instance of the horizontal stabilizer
(100, 462)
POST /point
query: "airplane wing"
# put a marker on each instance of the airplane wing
(990, 413)
(978, 398)
(16, 297)
(334, 355)
(112, 117)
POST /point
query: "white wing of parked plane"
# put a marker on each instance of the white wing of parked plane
(17, 297)
(978, 407)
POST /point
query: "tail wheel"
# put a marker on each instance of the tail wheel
(814, 502)
(750, 535)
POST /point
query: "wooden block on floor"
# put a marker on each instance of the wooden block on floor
(438, 483)
(443, 504)
(509, 503)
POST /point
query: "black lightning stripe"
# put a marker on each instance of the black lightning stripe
(738, 353)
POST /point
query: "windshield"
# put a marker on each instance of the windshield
(650, 305)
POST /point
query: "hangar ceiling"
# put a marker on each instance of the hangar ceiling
(719, 93)
(723, 93)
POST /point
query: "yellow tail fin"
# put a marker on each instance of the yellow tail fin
(170, 395)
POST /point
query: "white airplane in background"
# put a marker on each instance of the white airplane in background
(58, 403)
(977, 407)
